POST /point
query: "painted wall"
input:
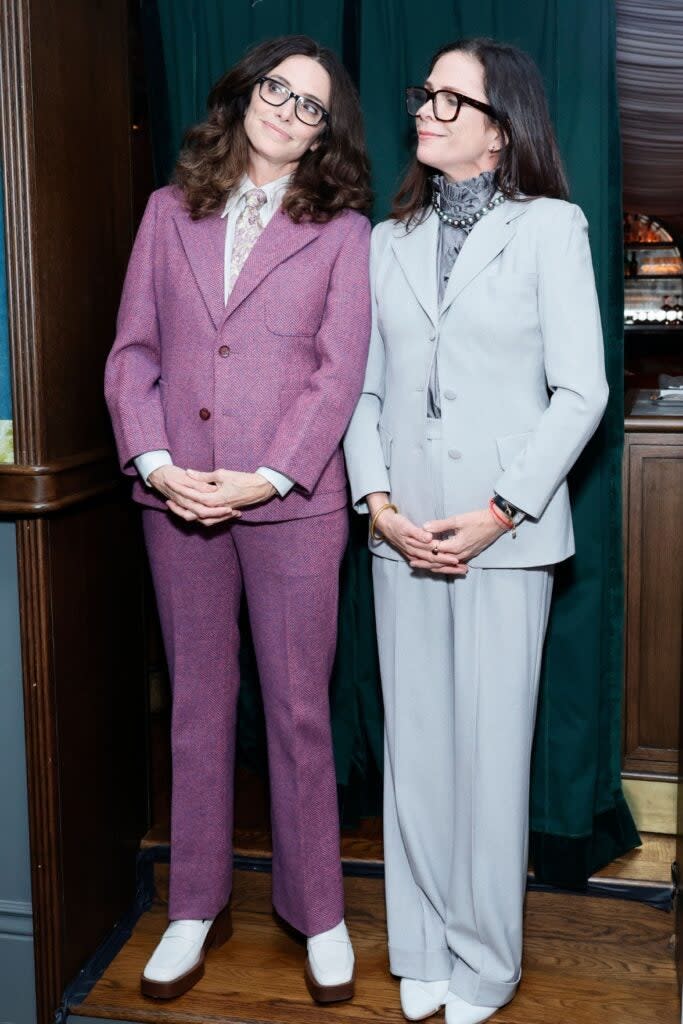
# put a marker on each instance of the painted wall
(17, 986)
(17, 980)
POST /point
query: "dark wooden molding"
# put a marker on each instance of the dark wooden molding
(41, 756)
(41, 489)
(16, 135)
(654, 425)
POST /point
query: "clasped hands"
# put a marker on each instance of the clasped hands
(209, 498)
(441, 545)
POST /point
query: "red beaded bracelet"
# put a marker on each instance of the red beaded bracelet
(500, 516)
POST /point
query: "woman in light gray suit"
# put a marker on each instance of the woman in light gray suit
(484, 382)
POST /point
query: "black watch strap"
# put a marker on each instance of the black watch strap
(514, 514)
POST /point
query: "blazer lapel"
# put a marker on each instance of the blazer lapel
(415, 251)
(490, 237)
(279, 240)
(204, 244)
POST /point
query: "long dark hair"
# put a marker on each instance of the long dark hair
(530, 163)
(215, 153)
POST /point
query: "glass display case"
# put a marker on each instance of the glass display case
(653, 275)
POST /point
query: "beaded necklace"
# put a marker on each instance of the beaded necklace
(468, 220)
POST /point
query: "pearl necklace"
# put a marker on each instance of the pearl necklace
(469, 220)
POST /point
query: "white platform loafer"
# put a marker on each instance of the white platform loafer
(421, 999)
(458, 1011)
(177, 963)
(330, 971)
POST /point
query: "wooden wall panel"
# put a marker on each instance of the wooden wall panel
(82, 209)
(654, 596)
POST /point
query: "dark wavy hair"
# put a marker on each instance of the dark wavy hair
(215, 153)
(530, 163)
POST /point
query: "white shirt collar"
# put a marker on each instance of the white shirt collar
(274, 192)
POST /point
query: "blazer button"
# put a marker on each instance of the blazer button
(450, 395)
(453, 453)
(204, 414)
(224, 350)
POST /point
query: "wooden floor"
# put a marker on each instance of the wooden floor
(587, 961)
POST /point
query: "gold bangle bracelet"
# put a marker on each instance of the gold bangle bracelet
(376, 516)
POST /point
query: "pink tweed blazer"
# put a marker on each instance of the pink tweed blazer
(271, 379)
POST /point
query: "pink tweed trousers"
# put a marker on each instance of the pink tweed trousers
(290, 572)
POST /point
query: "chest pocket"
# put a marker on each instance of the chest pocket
(294, 305)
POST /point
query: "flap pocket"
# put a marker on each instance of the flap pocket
(289, 317)
(510, 445)
(385, 441)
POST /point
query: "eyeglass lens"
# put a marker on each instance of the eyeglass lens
(446, 104)
(277, 94)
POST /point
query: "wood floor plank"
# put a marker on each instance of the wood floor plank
(587, 961)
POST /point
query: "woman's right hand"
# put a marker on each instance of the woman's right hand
(165, 480)
(411, 541)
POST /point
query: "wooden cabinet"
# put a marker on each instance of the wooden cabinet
(653, 518)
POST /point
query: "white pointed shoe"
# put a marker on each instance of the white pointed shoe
(178, 961)
(330, 966)
(458, 1011)
(421, 999)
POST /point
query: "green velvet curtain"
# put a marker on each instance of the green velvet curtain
(580, 820)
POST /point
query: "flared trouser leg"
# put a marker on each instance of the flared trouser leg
(499, 621)
(413, 621)
(197, 581)
(291, 577)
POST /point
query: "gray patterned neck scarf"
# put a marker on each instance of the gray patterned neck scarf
(458, 199)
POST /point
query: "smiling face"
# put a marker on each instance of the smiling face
(277, 138)
(471, 144)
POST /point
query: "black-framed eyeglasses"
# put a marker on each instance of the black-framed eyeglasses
(276, 93)
(446, 103)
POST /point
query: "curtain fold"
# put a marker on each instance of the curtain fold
(580, 820)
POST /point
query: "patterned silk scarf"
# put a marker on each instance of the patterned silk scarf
(458, 198)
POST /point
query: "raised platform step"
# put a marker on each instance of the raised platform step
(587, 961)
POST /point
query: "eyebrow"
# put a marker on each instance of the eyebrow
(444, 88)
(307, 95)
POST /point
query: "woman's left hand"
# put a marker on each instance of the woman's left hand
(228, 487)
(472, 532)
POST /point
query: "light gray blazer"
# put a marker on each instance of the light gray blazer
(521, 372)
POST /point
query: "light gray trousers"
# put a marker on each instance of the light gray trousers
(460, 662)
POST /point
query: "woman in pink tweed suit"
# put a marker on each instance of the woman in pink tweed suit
(240, 353)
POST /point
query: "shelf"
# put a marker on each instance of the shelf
(654, 328)
(653, 277)
(649, 245)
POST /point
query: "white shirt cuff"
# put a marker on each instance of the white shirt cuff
(149, 461)
(282, 484)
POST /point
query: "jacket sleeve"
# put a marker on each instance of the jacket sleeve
(311, 429)
(574, 365)
(134, 365)
(365, 462)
